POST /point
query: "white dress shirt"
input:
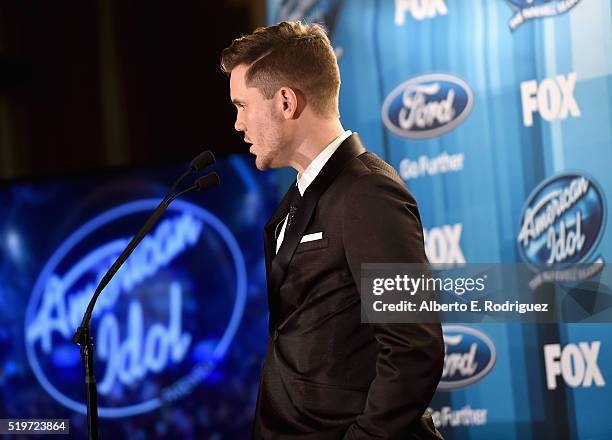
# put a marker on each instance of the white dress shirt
(310, 173)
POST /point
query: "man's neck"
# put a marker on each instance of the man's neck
(313, 142)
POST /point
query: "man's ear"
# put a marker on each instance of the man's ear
(289, 102)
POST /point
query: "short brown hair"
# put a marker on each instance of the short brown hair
(289, 54)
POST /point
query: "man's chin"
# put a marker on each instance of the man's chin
(262, 164)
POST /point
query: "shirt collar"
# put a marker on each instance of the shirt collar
(310, 173)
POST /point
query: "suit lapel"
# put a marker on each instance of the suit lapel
(276, 271)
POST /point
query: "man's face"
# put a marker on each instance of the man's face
(259, 120)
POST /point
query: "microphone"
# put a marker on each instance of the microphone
(201, 161)
(82, 337)
(206, 182)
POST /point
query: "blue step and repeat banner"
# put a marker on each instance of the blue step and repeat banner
(497, 114)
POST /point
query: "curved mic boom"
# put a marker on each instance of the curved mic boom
(82, 337)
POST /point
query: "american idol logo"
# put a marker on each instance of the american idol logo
(531, 9)
(469, 356)
(562, 221)
(157, 334)
(427, 106)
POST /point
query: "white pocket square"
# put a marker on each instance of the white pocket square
(312, 237)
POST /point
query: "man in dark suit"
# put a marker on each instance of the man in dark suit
(327, 375)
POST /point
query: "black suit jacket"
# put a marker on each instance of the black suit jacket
(326, 375)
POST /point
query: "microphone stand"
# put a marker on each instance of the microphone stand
(83, 337)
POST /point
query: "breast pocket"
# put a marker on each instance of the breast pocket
(312, 245)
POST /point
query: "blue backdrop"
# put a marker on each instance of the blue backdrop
(497, 114)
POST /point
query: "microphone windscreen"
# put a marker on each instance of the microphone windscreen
(207, 181)
(202, 160)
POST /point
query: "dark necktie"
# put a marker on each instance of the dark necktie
(293, 206)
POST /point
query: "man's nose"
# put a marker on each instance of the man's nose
(238, 125)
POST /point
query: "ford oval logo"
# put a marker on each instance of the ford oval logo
(155, 338)
(562, 220)
(427, 106)
(469, 356)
